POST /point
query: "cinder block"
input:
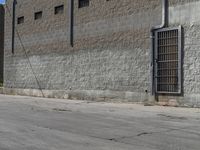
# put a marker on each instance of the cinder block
(111, 47)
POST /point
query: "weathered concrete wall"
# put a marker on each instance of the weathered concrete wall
(111, 46)
(186, 13)
(109, 39)
(1, 42)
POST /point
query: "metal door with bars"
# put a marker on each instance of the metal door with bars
(168, 60)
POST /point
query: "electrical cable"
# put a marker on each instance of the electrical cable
(25, 52)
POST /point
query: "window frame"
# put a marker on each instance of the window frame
(180, 60)
(59, 9)
(83, 4)
(37, 15)
(20, 20)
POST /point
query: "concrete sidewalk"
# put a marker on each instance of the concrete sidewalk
(28, 123)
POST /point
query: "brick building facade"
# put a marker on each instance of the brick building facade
(99, 50)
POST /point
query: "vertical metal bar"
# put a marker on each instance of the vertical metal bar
(156, 62)
(71, 24)
(2, 15)
(13, 26)
(180, 58)
(168, 64)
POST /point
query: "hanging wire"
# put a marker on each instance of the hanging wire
(25, 52)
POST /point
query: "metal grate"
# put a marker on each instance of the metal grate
(168, 60)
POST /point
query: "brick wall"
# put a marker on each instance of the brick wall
(111, 45)
(104, 55)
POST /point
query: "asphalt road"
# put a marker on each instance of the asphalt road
(50, 124)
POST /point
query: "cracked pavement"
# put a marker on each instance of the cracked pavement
(28, 123)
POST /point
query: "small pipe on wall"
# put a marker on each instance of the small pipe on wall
(71, 22)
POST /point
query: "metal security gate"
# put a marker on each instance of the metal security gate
(168, 60)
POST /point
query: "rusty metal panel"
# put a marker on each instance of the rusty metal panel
(168, 60)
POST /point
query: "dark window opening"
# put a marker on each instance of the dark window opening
(38, 15)
(83, 3)
(20, 20)
(59, 9)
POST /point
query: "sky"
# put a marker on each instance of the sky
(2, 1)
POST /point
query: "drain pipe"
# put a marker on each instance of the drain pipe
(13, 25)
(71, 22)
(153, 29)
